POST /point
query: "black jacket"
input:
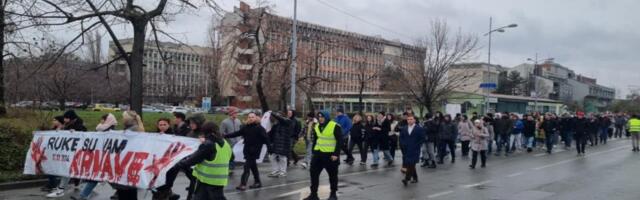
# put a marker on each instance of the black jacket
(581, 126)
(182, 130)
(448, 131)
(297, 128)
(337, 133)
(432, 128)
(254, 137)
(280, 136)
(593, 126)
(358, 132)
(76, 125)
(503, 126)
(567, 124)
(550, 126)
(206, 151)
(529, 128)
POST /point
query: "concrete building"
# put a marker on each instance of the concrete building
(592, 97)
(184, 75)
(323, 52)
(478, 73)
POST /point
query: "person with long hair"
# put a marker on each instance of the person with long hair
(132, 122)
(72, 122)
(394, 133)
(464, 129)
(479, 136)
(381, 137)
(164, 126)
(358, 133)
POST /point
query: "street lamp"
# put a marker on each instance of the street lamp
(491, 30)
(532, 84)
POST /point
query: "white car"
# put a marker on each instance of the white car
(151, 109)
(181, 109)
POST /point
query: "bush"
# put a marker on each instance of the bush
(15, 143)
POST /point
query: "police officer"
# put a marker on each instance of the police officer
(326, 154)
(634, 129)
(211, 170)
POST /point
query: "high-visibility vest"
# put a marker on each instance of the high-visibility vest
(634, 125)
(326, 142)
(215, 172)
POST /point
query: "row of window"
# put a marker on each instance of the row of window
(172, 55)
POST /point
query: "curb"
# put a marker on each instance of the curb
(22, 184)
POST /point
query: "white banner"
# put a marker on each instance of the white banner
(127, 158)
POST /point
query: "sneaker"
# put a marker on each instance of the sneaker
(273, 174)
(282, 174)
(241, 188)
(304, 165)
(374, 165)
(363, 163)
(255, 186)
(56, 193)
(404, 182)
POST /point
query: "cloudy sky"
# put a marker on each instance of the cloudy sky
(596, 38)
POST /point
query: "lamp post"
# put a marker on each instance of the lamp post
(294, 46)
(532, 85)
(491, 30)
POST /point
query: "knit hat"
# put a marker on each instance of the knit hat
(70, 114)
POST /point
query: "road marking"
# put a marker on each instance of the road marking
(515, 174)
(476, 184)
(439, 194)
(573, 159)
(306, 181)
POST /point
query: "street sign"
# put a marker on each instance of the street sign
(488, 85)
(206, 103)
(492, 100)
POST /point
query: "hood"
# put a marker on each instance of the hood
(70, 114)
(326, 115)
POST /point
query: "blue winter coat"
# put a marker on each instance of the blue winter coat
(411, 144)
(518, 127)
(344, 122)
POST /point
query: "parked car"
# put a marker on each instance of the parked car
(151, 109)
(181, 109)
(106, 108)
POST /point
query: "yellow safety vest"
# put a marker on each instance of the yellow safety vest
(326, 142)
(215, 172)
(634, 125)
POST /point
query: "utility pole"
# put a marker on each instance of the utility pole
(294, 46)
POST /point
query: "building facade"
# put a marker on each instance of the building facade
(477, 73)
(337, 60)
(173, 73)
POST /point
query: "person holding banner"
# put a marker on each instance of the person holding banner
(326, 154)
(107, 122)
(195, 124)
(164, 126)
(74, 123)
(254, 137)
(132, 122)
(52, 183)
(211, 162)
(181, 127)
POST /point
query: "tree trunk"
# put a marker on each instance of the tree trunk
(136, 67)
(3, 110)
(260, 90)
(360, 98)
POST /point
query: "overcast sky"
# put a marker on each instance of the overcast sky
(595, 38)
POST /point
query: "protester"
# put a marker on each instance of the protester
(132, 122)
(371, 140)
(593, 129)
(447, 135)
(634, 129)
(108, 122)
(394, 132)
(479, 144)
(52, 181)
(295, 133)
(181, 127)
(516, 132)
(280, 139)
(195, 126)
(310, 122)
(488, 124)
(326, 155)
(567, 125)
(358, 135)
(345, 123)
(464, 130)
(620, 121)
(254, 137)
(581, 132)
(549, 125)
(230, 125)
(164, 126)
(72, 123)
(380, 134)
(503, 129)
(431, 127)
(411, 139)
(210, 162)
(605, 122)
(529, 132)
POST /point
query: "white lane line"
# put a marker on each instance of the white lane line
(573, 159)
(306, 181)
(439, 194)
(476, 184)
(540, 154)
(515, 174)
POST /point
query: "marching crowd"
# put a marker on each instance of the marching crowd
(426, 141)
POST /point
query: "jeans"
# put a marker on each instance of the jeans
(489, 145)
(635, 137)
(345, 148)
(428, 151)
(513, 142)
(618, 132)
(88, 188)
(581, 142)
(502, 142)
(549, 141)
(529, 141)
(566, 137)
(279, 163)
(603, 135)
(465, 148)
(376, 156)
(250, 166)
(393, 145)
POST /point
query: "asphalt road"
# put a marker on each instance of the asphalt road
(609, 171)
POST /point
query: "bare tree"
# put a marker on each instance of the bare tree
(431, 84)
(365, 75)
